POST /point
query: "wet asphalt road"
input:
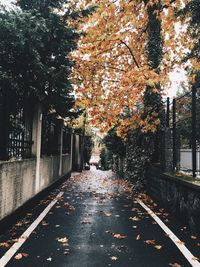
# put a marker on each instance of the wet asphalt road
(82, 229)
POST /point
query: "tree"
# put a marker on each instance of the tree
(184, 117)
(190, 17)
(20, 64)
(116, 150)
(108, 70)
(43, 7)
(87, 149)
(121, 69)
(36, 43)
(120, 58)
(191, 12)
(105, 158)
(114, 143)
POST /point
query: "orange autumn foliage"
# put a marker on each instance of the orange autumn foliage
(112, 70)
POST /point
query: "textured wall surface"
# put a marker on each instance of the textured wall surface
(77, 153)
(49, 170)
(66, 163)
(16, 184)
(180, 196)
(17, 180)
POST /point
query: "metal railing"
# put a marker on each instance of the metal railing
(50, 132)
(66, 140)
(182, 117)
(16, 130)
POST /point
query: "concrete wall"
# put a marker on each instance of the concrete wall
(49, 170)
(21, 180)
(77, 153)
(18, 183)
(66, 163)
(180, 195)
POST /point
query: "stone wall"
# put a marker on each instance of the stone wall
(180, 195)
(18, 180)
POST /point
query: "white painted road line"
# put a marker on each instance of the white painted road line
(11, 252)
(188, 255)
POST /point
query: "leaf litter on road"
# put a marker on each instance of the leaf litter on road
(135, 218)
(19, 256)
(114, 258)
(108, 213)
(150, 242)
(138, 237)
(175, 264)
(63, 240)
(86, 221)
(158, 247)
(119, 236)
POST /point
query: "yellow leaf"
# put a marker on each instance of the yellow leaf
(138, 237)
(113, 258)
(118, 236)
(19, 256)
(135, 218)
(150, 242)
(158, 246)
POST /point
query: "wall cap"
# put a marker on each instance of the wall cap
(183, 179)
(17, 161)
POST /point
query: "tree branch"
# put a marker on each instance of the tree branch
(129, 49)
(167, 6)
(110, 67)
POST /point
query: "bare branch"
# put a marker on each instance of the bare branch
(110, 67)
(167, 6)
(134, 59)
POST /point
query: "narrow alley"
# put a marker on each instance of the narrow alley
(94, 220)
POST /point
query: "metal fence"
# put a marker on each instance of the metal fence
(183, 118)
(20, 134)
(66, 140)
(51, 129)
(16, 129)
(50, 135)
